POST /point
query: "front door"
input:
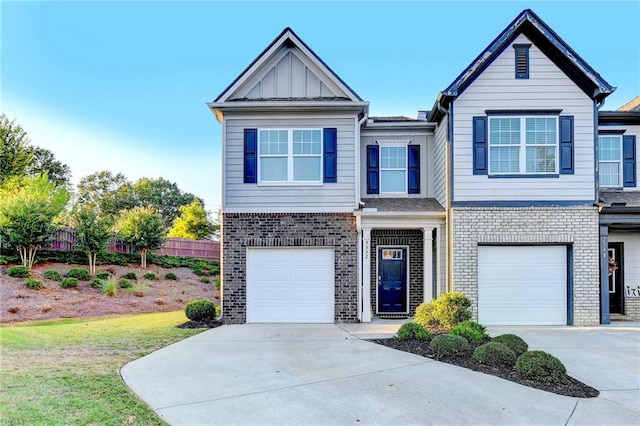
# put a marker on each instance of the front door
(616, 279)
(392, 279)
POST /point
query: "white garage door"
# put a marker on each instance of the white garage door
(522, 285)
(292, 285)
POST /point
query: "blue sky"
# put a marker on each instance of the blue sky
(122, 86)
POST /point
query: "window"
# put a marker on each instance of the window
(393, 169)
(292, 155)
(523, 145)
(610, 160)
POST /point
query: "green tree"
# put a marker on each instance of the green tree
(162, 195)
(15, 151)
(28, 210)
(142, 228)
(93, 231)
(193, 223)
(108, 192)
(45, 162)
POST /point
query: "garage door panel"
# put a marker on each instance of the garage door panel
(310, 274)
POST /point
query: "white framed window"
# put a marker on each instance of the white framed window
(610, 160)
(523, 145)
(393, 169)
(290, 155)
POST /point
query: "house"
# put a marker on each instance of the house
(506, 190)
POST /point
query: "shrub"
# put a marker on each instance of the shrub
(18, 271)
(470, 330)
(52, 275)
(110, 287)
(214, 270)
(138, 290)
(513, 342)
(412, 330)
(69, 283)
(475, 326)
(541, 366)
(170, 276)
(150, 276)
(494, 354)
(198, 271)
(200, 310)
(96, 283)
(205, 280)
(79, 273)
(124, 283)
(104, 275)
(33, 283)
(448, 345)
(130, 276)
(448, 310)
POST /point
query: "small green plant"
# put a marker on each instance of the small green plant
(218, 311)
(200, 310)
(412, 330)
(217, 283)
(96, 283)
(448, 345)
(541, 366)
(125, 283)
(470, 330)
(214, 270)
(494, 354)
(104, 275)
(110, 287)
(513, 342)
(198, 271)
(150, 276)
(138, 290)
(448, 310)
(33, 283)
(130, 276)
(79, 273)
(205, 280)
(18, 271)
(52, 275)
(170, 276)
(69, 283)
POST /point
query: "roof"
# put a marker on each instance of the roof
(632, 105)
(396, 119)
(529, 24)
(403, 204)
(619, 117)
(615, 199)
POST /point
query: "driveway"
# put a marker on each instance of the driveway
(328, 375)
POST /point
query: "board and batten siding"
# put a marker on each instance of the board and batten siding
(440, 161)
(629, 130)
(546, 88)
(240, 197)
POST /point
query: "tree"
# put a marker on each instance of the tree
(193, 223)
(142, 228)
(15, 151)
(28, 210)
(162, 195)
(109, 193)
(93, 231)
(45, 162)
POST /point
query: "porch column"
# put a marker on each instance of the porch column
(366, 274)
(605, 318)
(427, 274)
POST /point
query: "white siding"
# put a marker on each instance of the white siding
(631, 255)
(440, 161)
(327, 197)
(546, 88)
(630, 131)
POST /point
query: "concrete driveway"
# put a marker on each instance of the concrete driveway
(327, 375)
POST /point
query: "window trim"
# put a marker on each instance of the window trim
(402, 144)
(620, 161)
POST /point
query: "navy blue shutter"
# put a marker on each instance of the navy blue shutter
(250, 155)
(629, 161)
(414, 169)
(480, 146)
(330, 149)
(566, 145)
(373, 170)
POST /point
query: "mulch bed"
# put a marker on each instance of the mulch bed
(201, 324)
(573, 388)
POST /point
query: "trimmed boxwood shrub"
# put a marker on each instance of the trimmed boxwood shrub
(448, 345)
(79, 273)
(150, 276)
(124, 283)
(52, 275)
(104, 275)
(200, 310)
(18, 271)
(170, 276)
(33, 283)
(69, 283)
(412, 330)
(494, 354)
(95, 283)
(513, 342)
(448, 310)
(473, 333)
(541, 366)
(130, 276)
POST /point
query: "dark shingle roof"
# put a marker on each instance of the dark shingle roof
(403, 204)
(395, 119)
(629, 198)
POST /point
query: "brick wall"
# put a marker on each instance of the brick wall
(240, 231)
(575, 226)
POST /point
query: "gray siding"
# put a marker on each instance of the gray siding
(547, 88)
(440, 161)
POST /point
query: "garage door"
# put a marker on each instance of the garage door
(522, 285)
(293, 285)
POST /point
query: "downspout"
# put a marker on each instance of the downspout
(358, 203)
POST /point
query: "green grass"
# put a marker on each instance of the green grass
(67, 371)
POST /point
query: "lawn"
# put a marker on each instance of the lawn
(67, 371)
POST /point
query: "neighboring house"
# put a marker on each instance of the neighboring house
(330, 215)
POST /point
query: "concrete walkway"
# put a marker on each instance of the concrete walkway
(327, 375)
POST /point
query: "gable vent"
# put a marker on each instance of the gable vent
(522, 60)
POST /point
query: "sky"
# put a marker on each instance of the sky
(123, 86)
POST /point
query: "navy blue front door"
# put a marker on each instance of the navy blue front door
(392, 279)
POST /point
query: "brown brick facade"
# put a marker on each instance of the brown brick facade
(242, 230)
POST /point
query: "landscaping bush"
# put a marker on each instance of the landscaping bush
(79, 273)
(130, 276)
(541, 366)
(150, 276)
(470, 330)
(170, 276)
(124, 283)
(205, 280)
(198, 271)
(33, 283)
(69, 283)
(448, 345)
(494, 354)
(18, 271)
(412, 330)
(52, 275)
(214, 270)
(110, 287)
(96, 283)
(104, 275)
(138, 290)
(448, 310)
(513, 342)
(200, 310)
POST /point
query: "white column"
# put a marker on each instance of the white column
(439, 254)
(366, 274)
(428, 263)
